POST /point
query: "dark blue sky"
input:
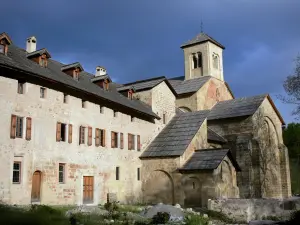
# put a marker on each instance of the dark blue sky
(137, 39)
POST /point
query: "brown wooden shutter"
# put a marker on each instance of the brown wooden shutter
(129, 142)
(122, 140)
(28, 128)
(112, 139)
(103, 138)
(13, 126)
(80, 140)
(97, 137)
(70, 133)
(90, 130)
(138, 143)
(58, 129)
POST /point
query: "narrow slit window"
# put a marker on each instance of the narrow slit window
(61, 173)
(117, 173)
(65, 98)
(138, 174)
(195, 62)
(20, 87)
(164, 118)
(63, 130)
(42, 92)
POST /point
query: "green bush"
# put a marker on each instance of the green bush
(161, 218)
(195, 220)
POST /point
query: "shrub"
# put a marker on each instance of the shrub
(295, 218)
(111, 206)
(161, 218)
(195, 220)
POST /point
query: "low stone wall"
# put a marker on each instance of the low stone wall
(254, 209)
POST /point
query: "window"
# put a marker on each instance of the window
(194, 61)
(81, 135)
(215, 61)
(101, 109)
(164, 118)
(199, 59)
(115, 113)
(61, 132)
(16, 173)
(131, 142)
(132, 118)
(65, 98)
(83, 104)
(194, 186)
(138, 174)
(99, 137)
(114, 140)
(117, 173)
(2, 49)
(61, 173)
(19, 127)
(20, 87)
(42, 92)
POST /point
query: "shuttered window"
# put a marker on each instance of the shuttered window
(139, 143)
(90, 135)
(19, 127)
(97, 137)
(28, 128)
(70, 133)
(16, 129)
(131, 142)
(114, 139)
(81, 135)
(103, 138)
(58, 131)
(122, 141)
(13, 126)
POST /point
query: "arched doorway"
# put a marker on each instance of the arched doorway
(36, 186)
(159, 188)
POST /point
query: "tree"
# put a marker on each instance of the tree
(291, 139)
(292, 88)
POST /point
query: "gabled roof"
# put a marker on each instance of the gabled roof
(188, 86)
(102, 77)
(72, 65)
(201, 38)
(16, 60)
(147, 84)
(4, 35)
(176, 136)
(208, 159)
(39, 53)
(236, 107)
(215, 137)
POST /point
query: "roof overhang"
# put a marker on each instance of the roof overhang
(72, 66)
(39, 53)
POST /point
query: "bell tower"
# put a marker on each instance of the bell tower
(203, 56)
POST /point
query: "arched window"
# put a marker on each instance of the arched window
(195, 65)
(215, 61)
(199, 59)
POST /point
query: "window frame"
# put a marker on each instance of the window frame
(19, 126)
(117, 173)
(65, 99)
(19, 171)
(42, 92)
(21, 86)
(2, 46)
(63, 172)
(81, 135)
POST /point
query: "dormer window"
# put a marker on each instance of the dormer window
(43, 60)
(130, 93)
(73, 70)
(4, 42)
(106, 84)
(40, 56)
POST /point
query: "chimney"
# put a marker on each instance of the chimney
(31, 44)
(100, 71)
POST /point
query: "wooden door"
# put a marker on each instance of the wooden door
(36, 186)
(88, 189)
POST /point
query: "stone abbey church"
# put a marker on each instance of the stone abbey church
(72, 137)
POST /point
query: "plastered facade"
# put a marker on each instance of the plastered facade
(42, 153)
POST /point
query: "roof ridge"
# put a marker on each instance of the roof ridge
(140, 81)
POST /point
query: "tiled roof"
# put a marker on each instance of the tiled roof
(177, 135)
(188, 86)
(200, 38)
(208, 159)
(236, 107)
(143, 84)
(214, 137)
(16, 60)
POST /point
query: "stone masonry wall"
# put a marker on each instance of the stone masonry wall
(44, 154)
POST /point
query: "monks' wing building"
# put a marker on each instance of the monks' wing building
(72, 137)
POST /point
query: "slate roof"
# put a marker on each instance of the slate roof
(102, 77)
(214, 137)
(200, 38)
(188, 86)
(16, 60)
(236, 107)
(176, 136)
(38, 52)
(142, 84)
(72, 65)
(208, 159)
